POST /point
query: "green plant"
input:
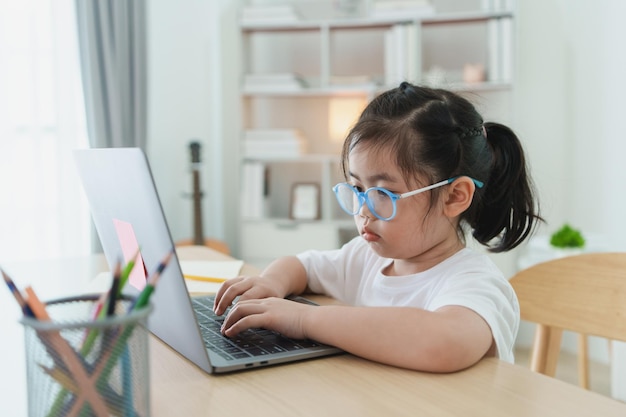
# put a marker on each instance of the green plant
(567, 237)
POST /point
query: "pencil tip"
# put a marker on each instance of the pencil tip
(118, 269)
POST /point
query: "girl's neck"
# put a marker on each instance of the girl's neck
(424, 261)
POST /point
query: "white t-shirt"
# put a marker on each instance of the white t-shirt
(353, 275)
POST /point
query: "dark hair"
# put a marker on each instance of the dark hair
(436, 134)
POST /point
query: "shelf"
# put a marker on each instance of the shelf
(466, 17)
(287, 223)
(370, 22)
(372, 90)
(335, 90)
(477, 87)
(304, 158)
(312, 75)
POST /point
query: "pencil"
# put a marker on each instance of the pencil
(109, 298)
(38, 308)
(61, 377)
(112, 399)
(99, 306)
(205, 279)
(126, 272)
(144, 296)
(18, 296)
(113, 292)
(90, 334)
(74, 362)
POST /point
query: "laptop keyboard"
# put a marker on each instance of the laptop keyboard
(252, 342)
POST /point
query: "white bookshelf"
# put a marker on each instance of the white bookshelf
(345, 59)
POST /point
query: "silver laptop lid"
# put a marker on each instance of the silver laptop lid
(127, 212)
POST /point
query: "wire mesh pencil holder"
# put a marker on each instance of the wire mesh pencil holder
(77, 366)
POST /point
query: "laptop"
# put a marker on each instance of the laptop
(127, 213)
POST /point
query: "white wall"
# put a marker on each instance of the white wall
(192, 73)
(570, 83)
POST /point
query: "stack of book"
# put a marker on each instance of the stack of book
(402, 54)
(271, 83)
(274, 143)
(401, 9)
(259, 14)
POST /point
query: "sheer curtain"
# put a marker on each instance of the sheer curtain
(112, 41)
(43, 213)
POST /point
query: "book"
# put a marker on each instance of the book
(272, 82)
(402, 54)
(269, 143)
(259, 14)
(261, 134)
(254, 189)
(402, 9)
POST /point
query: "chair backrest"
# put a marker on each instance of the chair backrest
(583, 293)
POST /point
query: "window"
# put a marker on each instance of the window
(43, 213)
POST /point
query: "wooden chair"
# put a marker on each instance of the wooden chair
(584, 293)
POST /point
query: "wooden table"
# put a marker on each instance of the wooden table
(342, 385)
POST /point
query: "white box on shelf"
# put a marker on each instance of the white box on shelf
(287, 238)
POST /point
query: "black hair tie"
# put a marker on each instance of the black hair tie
(470, 133)
(406, 87)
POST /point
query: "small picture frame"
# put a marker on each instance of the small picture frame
(305, 201)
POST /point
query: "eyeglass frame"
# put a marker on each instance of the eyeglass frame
(362, 195)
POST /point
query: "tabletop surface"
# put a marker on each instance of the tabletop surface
(341, 385)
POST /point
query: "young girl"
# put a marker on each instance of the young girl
(421, 167)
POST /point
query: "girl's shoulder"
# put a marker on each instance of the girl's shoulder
(471, 261)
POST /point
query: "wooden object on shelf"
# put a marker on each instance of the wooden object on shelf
(198, 232)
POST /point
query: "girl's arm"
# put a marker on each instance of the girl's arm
(449, 339)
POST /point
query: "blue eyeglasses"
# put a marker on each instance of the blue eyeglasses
(380, 201)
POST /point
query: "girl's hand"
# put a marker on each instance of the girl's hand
(280, 315)
(246, 288)
(281, 278)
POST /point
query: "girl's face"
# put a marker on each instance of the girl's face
(419, 236)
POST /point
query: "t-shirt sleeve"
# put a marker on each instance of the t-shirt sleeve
(491, 297)
(326, 271)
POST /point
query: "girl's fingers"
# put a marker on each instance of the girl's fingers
(243, 316)
(230, 290)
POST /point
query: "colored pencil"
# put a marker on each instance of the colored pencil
(112, 399)
(113, 292)
(18, 296)
(126, 272)
(38, 308)
(71, 358)
(99, 313)
(144, 297)
(205, 279)
(61, 377)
